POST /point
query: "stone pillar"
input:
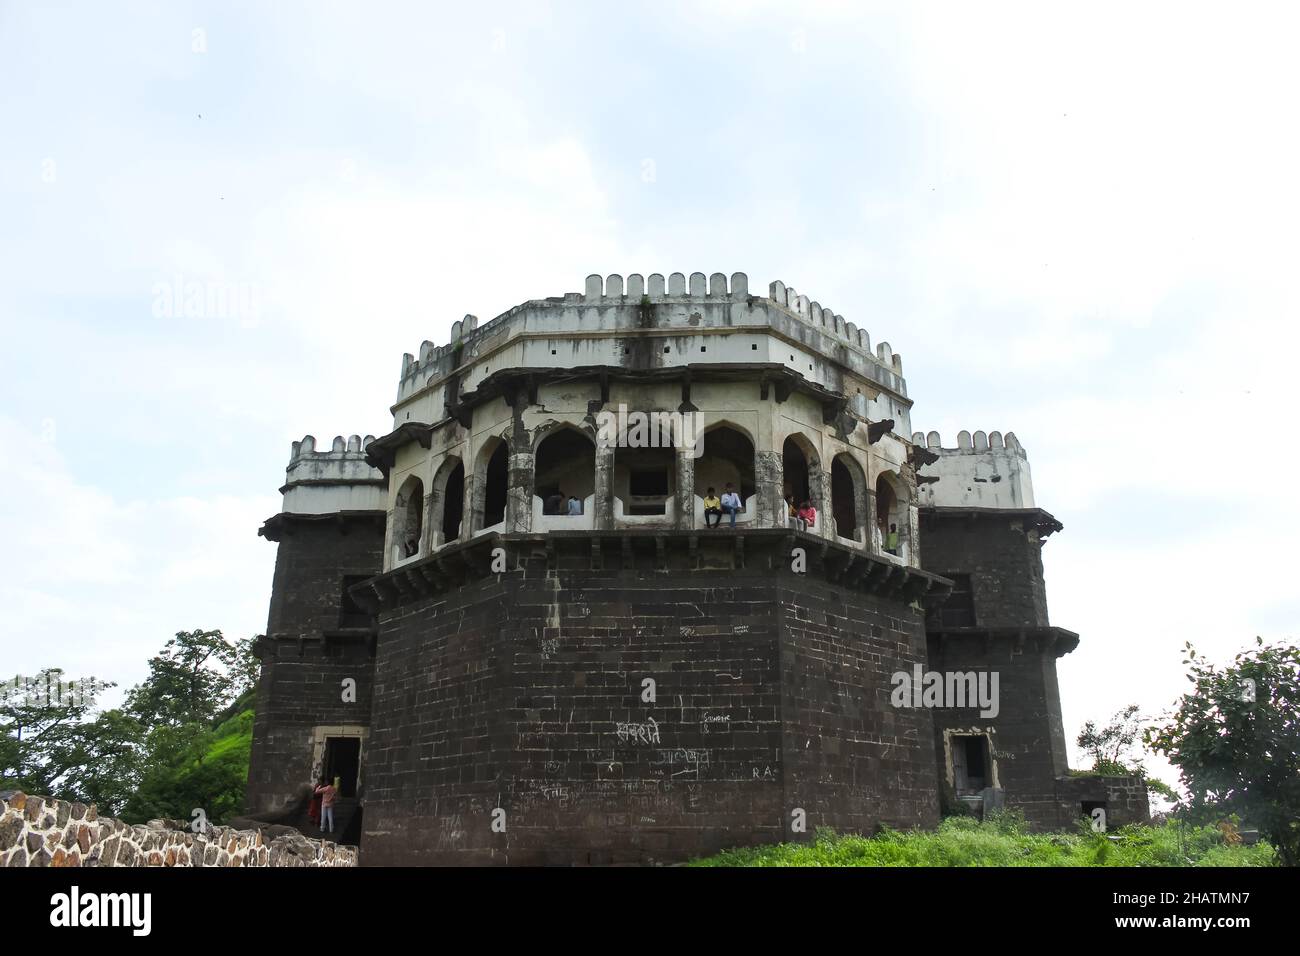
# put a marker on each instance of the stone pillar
(820, 494)
(864, 504)
(519, 491)
(475, 502)
(432, 522)
(875, 544)
(604, 490)
(768, 475)
(519, 468)
(685, 497)
(914, 536)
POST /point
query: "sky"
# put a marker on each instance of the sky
(1074, 222)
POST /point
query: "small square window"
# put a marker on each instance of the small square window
(704, 348)
(552, 351)
(754, 347)
(665, 350)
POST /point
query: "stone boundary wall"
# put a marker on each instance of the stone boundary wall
(38, 831)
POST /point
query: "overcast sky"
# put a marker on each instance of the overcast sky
(1074, 222)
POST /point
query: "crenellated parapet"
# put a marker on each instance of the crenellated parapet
(984, 470)
(335, 480)
(700, 320)
(830, 321)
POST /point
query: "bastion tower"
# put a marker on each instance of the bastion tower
(509, 629)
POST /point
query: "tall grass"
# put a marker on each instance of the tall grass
(1002, 841)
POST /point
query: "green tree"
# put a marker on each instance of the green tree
(1111, 747)
(193, 677)
(41, 722)
(1235, 740)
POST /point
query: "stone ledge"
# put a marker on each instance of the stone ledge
(749, 550)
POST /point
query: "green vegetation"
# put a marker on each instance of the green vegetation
(179, 742)
(1235, 739)
(963, 841)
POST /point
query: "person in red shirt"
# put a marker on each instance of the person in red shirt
(328, 794)
(808, 513)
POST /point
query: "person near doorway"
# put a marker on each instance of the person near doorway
(555, 503)
(712, 508)
(891, 540)
(412, 543)
(313, 809)
(809, 514)
(575, 506)
(730, 503)
(328, 794)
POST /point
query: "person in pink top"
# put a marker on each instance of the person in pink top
(328, 794)
(808, 513)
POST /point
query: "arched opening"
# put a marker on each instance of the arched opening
(494, 463)
(449, 497)
(891, 514)
(727, 464)
(799, 467)
(408, 517)
(848, 484)
(564, 471)
(645, 467)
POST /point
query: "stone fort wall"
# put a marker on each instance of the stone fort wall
(523, 696)
(39, 831)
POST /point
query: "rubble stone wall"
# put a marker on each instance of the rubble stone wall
(38, 831)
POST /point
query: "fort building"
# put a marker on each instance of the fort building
(510, 630)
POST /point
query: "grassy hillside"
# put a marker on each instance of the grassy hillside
(963, 841)
(211, 776)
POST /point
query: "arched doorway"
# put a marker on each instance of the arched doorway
(494, 478)
(848, 485)
(564, 467)
(408, 518)
(727, 459)
(801, 471)
(448, 511)
(891, 513)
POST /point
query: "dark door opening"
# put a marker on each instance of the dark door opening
(343, 760)
(970, 763)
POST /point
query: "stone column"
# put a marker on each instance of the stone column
(475, 502)
(685, 498)
(864, 503)
(432, 522)
(767, 484)
(875, 544)
(519, 469)
(914, 536)
(821, 496)
(604, 490)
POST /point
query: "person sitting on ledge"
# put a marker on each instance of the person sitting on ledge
(808, 514)
(713, 508)
(792, 519)
(730, 503)
(554, 503)
(575, 506)
(891, 540)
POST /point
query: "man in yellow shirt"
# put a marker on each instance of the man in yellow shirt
(712, 506)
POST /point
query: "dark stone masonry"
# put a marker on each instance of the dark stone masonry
(506, 631)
